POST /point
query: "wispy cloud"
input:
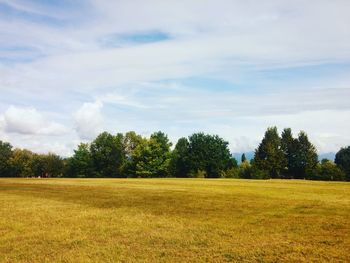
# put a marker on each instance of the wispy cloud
(227, 67)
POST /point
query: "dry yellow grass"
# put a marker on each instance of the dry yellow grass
(173, 220)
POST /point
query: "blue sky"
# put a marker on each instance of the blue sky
(71, 69)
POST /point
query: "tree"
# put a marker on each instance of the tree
(5, 156)
(245, 170)
(342, 159)
(80, 164)
(208, 153)
(21, 163)
(289, 147)
(306, 157)
(269, 156)
(232, 163)
(108, 155)
(180, 159)
(152, 158)
(130, 143)
(38, 164)
(328, 171)
(53, 165)
(243, 158)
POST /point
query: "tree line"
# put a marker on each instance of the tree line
(199, 155)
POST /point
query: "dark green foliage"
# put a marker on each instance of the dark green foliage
(80, 164)
(201, 155)
(47, 165)
(232, 173)
(342, 159)
(5, 156)
(243, 158)
(306, 158)
(286, 157)
(328, 171)
(289, 146)
(232, 163)
(53, 165)
(208, 153)
(250, 171)
(256, 173)
(130, 143)
(180, 163)
(269, 155)
(21, 163)
(107, 153)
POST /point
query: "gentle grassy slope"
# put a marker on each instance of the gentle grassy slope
(173, 220)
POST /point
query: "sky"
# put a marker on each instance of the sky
(71, 69)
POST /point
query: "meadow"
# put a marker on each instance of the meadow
(174, 220)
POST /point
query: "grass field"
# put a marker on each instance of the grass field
(173, 220)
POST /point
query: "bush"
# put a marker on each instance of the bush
(231, 173)
(198, 174)
(245, 170)
(328, 171)
(256, 173)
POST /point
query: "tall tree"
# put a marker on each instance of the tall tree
(53, 165)
(5, 156)
(289, 147)
(208, 153)
(108, 156)
(243, 158)
(342, 159)
(152, 158)
(130, 143)
(21, 163)
(306, 157)
(38, 164)
(180, 159)
(269, 156)
(80, 164)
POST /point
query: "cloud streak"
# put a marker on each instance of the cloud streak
(251, 64)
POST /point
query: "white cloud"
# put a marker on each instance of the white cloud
(89, 120)
(27, 120)
(241, 41)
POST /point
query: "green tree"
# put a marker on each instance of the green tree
(108, 155)
(269, 156)
(245, 170)
(289, 146)
(21, 163)
(243, 158)
(328, 171)
(180, 159)
(342, 159)
(5, 156)
(208, 153)
(80, 164)
(53, 165)
(306, 157)
(38, 164)
(152, 158)
(232, 163)
(130, 143)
